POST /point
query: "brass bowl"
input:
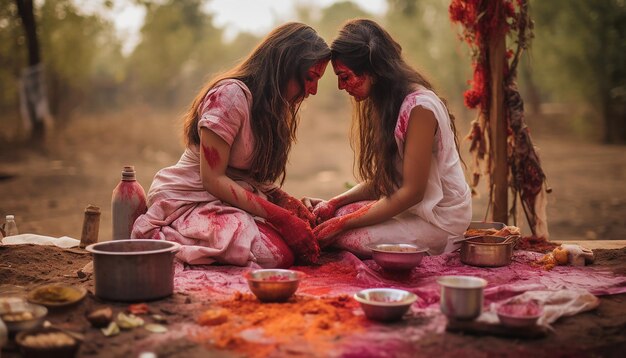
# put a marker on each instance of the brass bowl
(397, 257)
(273, 285)
(385, 304)
(30, 348)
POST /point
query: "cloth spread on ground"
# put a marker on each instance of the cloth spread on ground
(64, 242)
(563, 291)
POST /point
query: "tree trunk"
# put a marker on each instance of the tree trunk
(498, 128)
(33, 98)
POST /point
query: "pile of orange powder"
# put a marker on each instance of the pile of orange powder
(309, 324)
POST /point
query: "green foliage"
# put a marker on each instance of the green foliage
(430, 44)
(579, 55)
(11, 55)
(179, 44)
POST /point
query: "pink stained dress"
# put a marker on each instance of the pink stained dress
(444, 213)
(209, 230)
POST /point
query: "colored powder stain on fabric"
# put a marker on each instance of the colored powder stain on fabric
(211, 156)
(276, 245)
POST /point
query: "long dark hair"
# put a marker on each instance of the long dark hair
(366, 48)
(285, 53)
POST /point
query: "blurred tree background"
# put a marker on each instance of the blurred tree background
(573, 79)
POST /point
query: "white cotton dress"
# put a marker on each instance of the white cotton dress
(444, 213)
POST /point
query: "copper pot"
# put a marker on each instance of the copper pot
(487, 251)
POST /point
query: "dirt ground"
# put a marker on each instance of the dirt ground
(48, 190)
(597, 333)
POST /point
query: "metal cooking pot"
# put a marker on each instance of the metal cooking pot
(487, 251)
(133, 270)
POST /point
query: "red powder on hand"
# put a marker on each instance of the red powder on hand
(296, 232)
(293, 205)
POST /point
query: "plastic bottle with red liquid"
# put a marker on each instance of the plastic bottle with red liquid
(128, 202)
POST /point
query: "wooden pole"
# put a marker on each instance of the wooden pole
(498, 127)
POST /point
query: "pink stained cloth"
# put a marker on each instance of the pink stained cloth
(444, 213)
(343, 273)
(339, 273)
(181, 210)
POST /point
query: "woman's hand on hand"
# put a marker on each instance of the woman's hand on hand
(311, 203)
(327, 232)
(295, 206)
(324, 210)
(297, 235)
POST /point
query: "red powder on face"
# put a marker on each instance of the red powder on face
(313, 75)
(348, 80)
(211, 156)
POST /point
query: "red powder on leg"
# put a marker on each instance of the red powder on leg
(275, 244)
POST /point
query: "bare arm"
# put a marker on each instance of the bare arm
(214, 157)
(416, 166)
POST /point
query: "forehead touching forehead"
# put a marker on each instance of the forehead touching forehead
(318, 67)
(341, 67)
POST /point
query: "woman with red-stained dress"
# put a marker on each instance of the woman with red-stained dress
(220, 201)
(413, 189)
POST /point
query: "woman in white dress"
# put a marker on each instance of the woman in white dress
(413, 188)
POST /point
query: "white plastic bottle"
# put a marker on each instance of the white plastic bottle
(127, 203)
(10, 227)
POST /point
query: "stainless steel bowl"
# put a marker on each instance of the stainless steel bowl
(134, 270)
(38, 313)
(385, 304)
(397, 257)
(519, 314)
(273, 285)
(487, 251)
(461, 296)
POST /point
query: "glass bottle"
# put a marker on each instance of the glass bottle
(128, 202)
(10, 227)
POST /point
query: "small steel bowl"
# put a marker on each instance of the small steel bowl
(519, 314)
(273, 285)
(397, 257)
(38, 313)
(385, 304)
(461, 296)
